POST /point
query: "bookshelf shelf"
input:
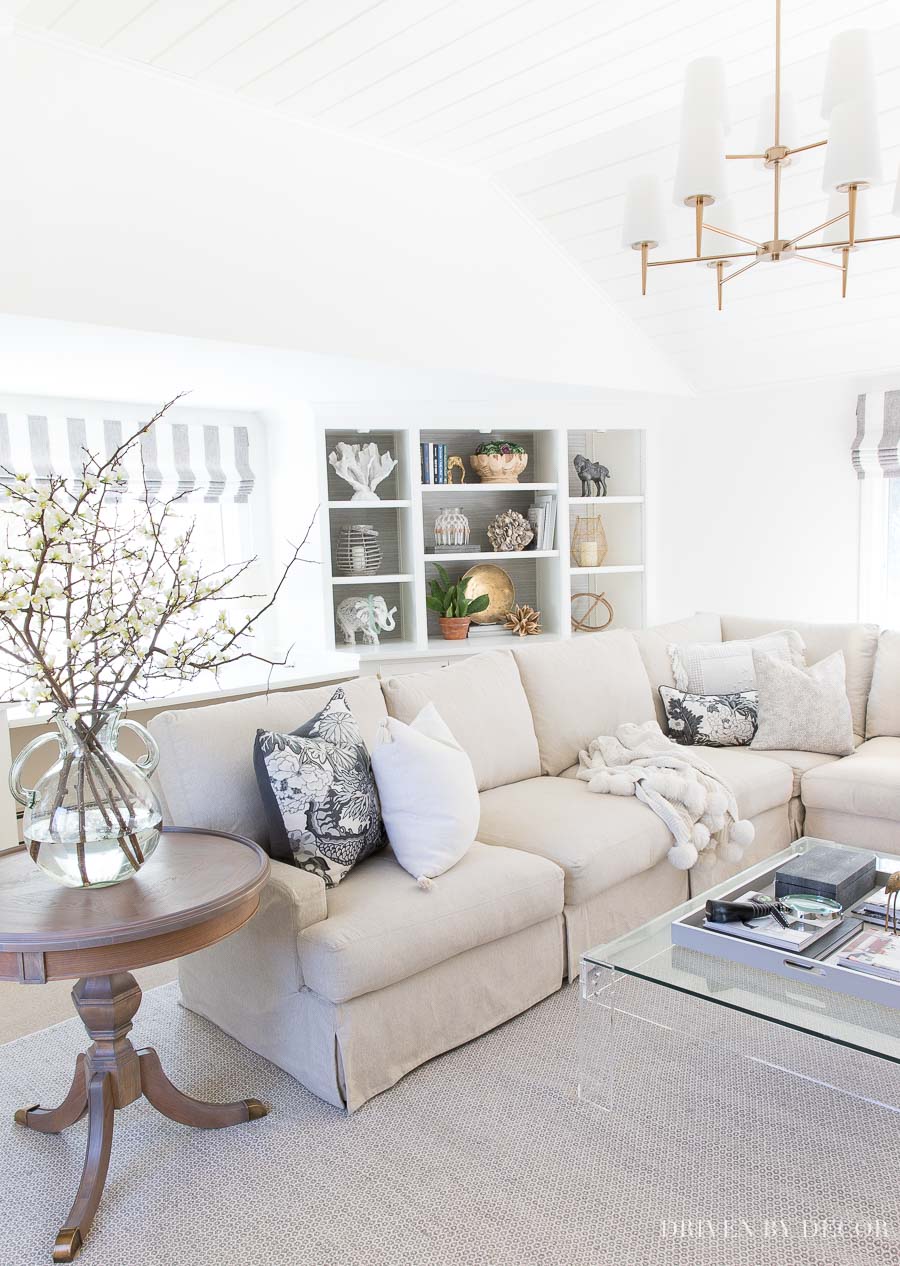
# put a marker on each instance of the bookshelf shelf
(612, 570)
(491, 556)
(452, 489)
(363, 507)
(372, 582)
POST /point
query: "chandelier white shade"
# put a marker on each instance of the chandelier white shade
(701, 162)
(705, 96)
(852, 162)
(853, 156)
(644, 217)
(849, 71)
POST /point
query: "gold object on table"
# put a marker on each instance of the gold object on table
(589, 544)
(456, 463)
(524, 621)
(892, 888)
(594, 600)
(498, 585)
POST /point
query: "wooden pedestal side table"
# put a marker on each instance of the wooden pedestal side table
(198, 887)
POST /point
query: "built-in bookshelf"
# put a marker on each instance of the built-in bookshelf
(405, 516)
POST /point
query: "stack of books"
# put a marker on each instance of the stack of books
(876, 953)
(434, 464)
(542, 517)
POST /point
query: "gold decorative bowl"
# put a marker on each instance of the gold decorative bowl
(499, 468)
(497, 584)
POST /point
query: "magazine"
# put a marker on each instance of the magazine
(877, 953)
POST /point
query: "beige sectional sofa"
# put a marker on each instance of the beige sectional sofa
(350, 990)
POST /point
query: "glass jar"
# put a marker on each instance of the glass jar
(92, 819)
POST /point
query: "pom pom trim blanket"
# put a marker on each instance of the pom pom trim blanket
(677, 785)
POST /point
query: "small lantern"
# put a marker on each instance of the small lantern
(589, 544)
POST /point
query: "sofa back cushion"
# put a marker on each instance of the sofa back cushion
(581, 689)
(206, 754)
(482, 701)
(857, 641)
(654, 643)
(883, 714)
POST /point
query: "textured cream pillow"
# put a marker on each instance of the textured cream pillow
(726, 668)
(803, 709)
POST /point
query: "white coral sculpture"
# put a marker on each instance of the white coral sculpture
(363, 467)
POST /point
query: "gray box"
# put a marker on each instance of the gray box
(842, 875)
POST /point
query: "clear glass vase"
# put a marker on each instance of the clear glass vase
(92, 819)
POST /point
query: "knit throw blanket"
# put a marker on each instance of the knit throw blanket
(678, 785)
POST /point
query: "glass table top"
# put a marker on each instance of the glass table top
(648, 954)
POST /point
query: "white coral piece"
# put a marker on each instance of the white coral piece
(363, 467)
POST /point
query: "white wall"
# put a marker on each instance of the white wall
(755, 504)
(135, 199)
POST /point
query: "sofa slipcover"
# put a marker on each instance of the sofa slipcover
(484, 704)
(582, 688)
(382, 928)
(799, 763)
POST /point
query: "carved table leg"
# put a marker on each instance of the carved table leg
(110, 1075)
(180, 1107)
(101, 1113)
(72, 1108)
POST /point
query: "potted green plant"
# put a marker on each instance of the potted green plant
(449, 600)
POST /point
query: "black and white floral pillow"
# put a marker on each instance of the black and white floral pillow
(710, 720)
(319, 793)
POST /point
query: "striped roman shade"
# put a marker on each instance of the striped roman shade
(877, 438)
(202, 461)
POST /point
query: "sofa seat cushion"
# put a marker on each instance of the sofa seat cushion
(382, 928)
(758, 783)
(599, 841)
(800, 763)
(866, 784)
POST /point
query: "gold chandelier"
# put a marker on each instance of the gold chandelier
(852, 165)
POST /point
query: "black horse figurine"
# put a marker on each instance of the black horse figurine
(590, 473)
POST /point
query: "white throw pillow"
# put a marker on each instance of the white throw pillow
(428, 793)
(803, 709)
(726, 668)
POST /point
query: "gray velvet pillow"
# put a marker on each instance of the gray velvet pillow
(803, 709)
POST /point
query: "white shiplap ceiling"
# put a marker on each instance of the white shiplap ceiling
(560, 101)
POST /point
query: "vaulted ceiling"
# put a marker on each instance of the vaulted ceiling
(559, 102)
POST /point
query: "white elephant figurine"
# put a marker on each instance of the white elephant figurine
(368, 616)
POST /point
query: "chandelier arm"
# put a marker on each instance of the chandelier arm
(738, 237)
(692, 259)
(823, 263)
(732, 156)
(827, 224)
(731, 276)
(801, 149)
(821, 246)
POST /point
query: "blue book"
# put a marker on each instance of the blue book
(426, 473)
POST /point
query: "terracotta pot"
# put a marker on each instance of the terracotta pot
(455, 628)
(498, 468)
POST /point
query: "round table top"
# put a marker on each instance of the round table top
(192, 878)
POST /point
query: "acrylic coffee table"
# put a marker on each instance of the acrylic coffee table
(636, 981)
(198, 887)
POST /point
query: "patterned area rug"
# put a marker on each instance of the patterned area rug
(482, 1158)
